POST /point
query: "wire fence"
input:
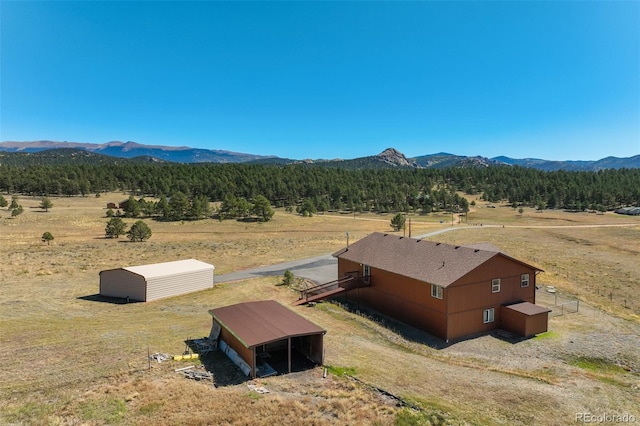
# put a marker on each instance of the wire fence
(558, 303)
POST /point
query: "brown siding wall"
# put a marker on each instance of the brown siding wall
(471, 295)
(121, 283)
(537, 324)
(402, 298)
(513, 321)
(234, 343)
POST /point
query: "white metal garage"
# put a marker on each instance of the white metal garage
(151, 282)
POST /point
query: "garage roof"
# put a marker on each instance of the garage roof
(169, 268)
(262, 322)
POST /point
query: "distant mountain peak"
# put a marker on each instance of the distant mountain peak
(394, 157)
(390, 157)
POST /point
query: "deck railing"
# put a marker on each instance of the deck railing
(346, 283)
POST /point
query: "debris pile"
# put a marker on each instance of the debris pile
(204, 345)
(160, 357)
(257, 388)
(197, 375)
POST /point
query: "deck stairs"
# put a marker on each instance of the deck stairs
(322, 291)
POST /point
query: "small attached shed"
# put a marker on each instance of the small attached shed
(146, 283)
(524, 318)
(265, 332)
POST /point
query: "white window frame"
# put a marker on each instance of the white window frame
(495, 285)
(524, 280)
(437, 291)
(366, 274)
(488, 315)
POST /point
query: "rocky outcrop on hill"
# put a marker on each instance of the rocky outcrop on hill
(394, 157)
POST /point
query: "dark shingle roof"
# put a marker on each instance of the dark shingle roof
(428, 261)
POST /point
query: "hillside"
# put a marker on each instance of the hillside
(389, 158)
(63, 156)
(180, 154)
(604, 163)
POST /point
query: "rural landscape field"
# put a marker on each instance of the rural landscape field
(69, 358)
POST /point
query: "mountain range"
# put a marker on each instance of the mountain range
(388, 158)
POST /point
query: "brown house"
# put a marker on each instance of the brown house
(449, 291)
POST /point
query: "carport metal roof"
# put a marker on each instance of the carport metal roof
(262, 322)
(165, 269)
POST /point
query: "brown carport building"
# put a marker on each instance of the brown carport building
(254, 329)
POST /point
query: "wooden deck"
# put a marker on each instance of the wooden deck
(332, 288)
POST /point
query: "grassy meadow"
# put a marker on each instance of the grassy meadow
(68, 359)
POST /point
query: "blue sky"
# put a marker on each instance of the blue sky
(554, 80)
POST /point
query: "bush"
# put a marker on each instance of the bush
(288, 278)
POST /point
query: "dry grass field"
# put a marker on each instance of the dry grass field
(68, 359)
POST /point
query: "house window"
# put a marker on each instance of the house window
(488, 315)
(366, 274)
(495, 285)
(436, 291)
(524, 280)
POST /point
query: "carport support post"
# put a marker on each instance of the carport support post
(289, 354)
(253, 364)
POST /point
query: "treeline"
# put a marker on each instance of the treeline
(324, 188)
(182, 207)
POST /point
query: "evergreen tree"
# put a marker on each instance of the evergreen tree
(45, 204)
(262, 208)
(115, 227)
(163, 207)
(288, 278)
(398, 221)
(200, 207)
(178, 206)
(3, 201)
(132, 207)
(47, 237)
(14, 203)
(307, 209)
(17, 210)
(139, 231)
